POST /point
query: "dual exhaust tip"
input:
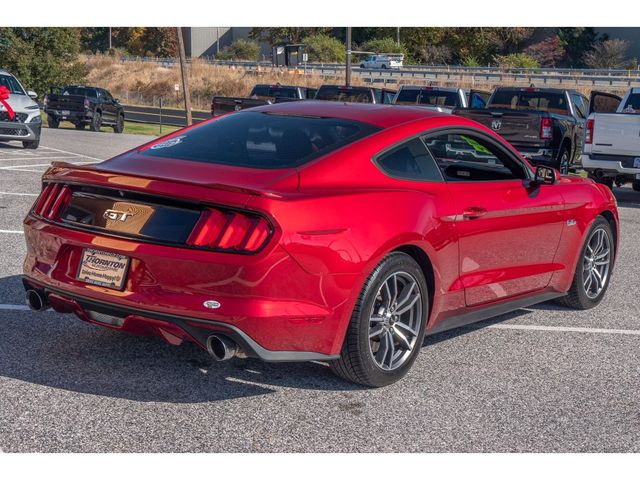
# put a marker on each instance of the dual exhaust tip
(36, 300)
(220, 347)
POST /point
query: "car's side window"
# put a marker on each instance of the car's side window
(410, 161)
(468, 157)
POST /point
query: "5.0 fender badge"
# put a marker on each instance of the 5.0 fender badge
(213, 304)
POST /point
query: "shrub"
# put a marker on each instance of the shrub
(548, 52)
(383, 45)
(240, 50)
(324, 49)
(516, 60)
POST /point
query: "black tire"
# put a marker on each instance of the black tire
(636, 185)
(52, 121)
(564, 160)
(577, 297)
(80, 126)
(119, 126)
(96, 122)
(362, 65)
(31, 145)
(384, 67)
(357, 363)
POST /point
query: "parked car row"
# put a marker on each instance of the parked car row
(548, 126)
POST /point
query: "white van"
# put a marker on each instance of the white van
(383, 60)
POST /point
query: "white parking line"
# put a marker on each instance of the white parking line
(5, 306)
(12, 231)
(20, 194)
(545, 328)
(42, 157)
(71, 153)
(21, 167)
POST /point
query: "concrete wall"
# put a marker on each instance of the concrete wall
(206, 41)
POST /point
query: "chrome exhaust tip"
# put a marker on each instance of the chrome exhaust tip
(221, 348)
(36, 301)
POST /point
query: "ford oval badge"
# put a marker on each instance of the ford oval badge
(212, 304)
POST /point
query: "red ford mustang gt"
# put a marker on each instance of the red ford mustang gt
(316, 231)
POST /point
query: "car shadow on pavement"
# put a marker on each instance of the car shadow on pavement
(627, 197)
(11, 146)
(61, 351)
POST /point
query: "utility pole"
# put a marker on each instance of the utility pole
(110, 45)
(398, 35)
(185, 78)
(347, 78)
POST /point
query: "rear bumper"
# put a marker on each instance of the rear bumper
(26, 132)
(544, 156)
(173, 328)
(72, 116)
(269, 304)
(610, 167)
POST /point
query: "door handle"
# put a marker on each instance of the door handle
(471, 213)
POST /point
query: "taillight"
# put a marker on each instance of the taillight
(546, 128)
(588, 137)
(51, 201)
(230, 231)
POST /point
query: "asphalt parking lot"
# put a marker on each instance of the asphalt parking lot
(540, 379)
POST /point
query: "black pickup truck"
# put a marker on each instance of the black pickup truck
(261, 94)
(84, 106)
(544, 124)
(355, 94)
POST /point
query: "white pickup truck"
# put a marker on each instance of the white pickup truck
(611, 151)
(383, 61)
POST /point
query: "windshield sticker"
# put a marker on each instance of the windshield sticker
(172, 142)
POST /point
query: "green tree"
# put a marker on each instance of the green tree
(383, 45)
(324, 49)
(42, 57)
(277, 35)
(576, 42)
(240, 50)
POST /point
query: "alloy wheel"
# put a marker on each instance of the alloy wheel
(395, 320)
(596, 263)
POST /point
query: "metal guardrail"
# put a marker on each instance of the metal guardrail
(435, 68)
(165, 116)
(450, 75)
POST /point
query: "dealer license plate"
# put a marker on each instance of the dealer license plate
(103, 268)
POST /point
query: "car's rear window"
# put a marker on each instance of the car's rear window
(83, 91)
(632, 105)
(551, 102)
(427, 97)
(277, 92)
(342, 94)
(261, 140)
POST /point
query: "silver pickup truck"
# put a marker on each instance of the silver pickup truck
(611, 150)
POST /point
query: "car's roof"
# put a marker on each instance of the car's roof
(381, 115)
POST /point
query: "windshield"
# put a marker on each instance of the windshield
(342, 94)
(551, 102)
(82, 91)
(12, 84)
(261, 140)
(632, 105)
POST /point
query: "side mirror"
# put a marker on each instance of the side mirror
(546, 175)
(32, 94)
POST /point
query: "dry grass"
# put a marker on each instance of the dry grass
(143, 83)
